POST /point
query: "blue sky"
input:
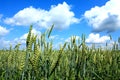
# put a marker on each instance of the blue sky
(95, 18)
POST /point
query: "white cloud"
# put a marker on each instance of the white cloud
(69, 39)
(104, 18)
(57, 45)
(54, 37)
(3, 31)
(23, 38)
(60, 15)
(96, 38)
(5, 43)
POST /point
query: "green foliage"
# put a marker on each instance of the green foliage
(72, 61)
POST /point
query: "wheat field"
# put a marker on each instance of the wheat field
(73, 60)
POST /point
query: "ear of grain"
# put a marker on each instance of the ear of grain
(29, 37)
(50, 30)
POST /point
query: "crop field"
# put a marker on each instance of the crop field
(73, 60)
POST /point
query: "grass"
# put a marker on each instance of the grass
(72, 61)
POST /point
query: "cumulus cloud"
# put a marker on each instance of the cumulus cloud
(3, 31)
(60, 15)
(54, 37)
(23, 38)
(5, 43)
(104, 18)
(69, 39)
(96, 38)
